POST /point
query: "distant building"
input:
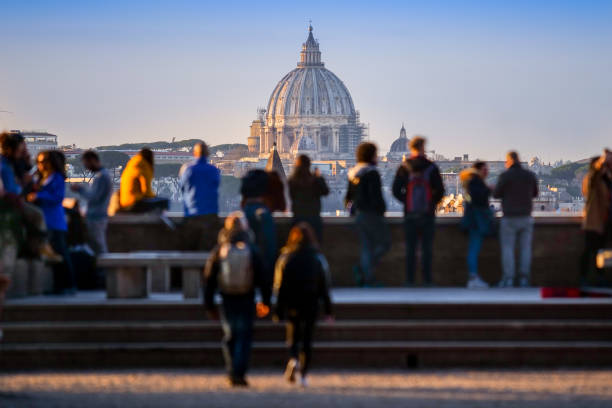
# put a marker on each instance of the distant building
(161, 156)
(451, 183)
(72, 153)
(172, 157)
(400, 146)
(38, 141)
(460, 163)
(309, 112)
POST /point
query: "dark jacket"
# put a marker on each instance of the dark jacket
(211, 272)
(301, 279)
(261, 222)
(517, 187)
(306, 196)
(364, 192)
(418, 164)
(476, 213)
(476, 191)
(610, 202)
(274, 198)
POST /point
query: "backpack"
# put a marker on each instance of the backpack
(418, 191)
(235, 270)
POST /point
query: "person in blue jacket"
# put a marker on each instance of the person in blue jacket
(49, 196)
(199, 183)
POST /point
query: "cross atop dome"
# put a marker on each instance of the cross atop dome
(310, 56)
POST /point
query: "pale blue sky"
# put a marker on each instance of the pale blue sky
(474, 76)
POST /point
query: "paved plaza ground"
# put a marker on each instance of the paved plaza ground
(205, 388)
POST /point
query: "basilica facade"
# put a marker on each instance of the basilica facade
(310, 111)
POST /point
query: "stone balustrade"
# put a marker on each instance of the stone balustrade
(558, 244)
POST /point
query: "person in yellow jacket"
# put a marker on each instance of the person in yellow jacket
(135, 192)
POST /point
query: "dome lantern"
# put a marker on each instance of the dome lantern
(310, 56)
(403, 132)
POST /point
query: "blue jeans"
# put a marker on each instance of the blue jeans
(475, 244)
(375, 242)
(238, 314)
(419, 228)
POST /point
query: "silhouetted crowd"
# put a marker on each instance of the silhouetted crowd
(247, 256)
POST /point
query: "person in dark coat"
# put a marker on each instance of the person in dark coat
(306, 190)
(418, 185)
(274, 197)
(239, 309)
(254, 188)
(301, 280)
(365, 201)
(477, 217)
(516, 187)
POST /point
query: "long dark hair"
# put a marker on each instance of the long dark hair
(301, 175)
(301, 236)
(56, 160)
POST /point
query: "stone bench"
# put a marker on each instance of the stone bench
(131, 274)
(604, 259)
(29, 277)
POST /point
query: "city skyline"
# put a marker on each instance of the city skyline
(475, 78)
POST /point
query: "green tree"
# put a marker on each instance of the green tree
(566, 172)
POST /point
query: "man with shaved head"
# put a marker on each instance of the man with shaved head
(199, 183)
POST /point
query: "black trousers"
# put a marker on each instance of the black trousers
(593, 242)
(63, 272)
(300, 331)
(150, 204)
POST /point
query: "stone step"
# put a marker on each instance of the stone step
(326, 354)
(407, 330)
(193, 311)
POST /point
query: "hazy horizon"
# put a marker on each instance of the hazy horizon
(476, 78)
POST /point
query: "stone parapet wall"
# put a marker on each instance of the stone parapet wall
(558, 243)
